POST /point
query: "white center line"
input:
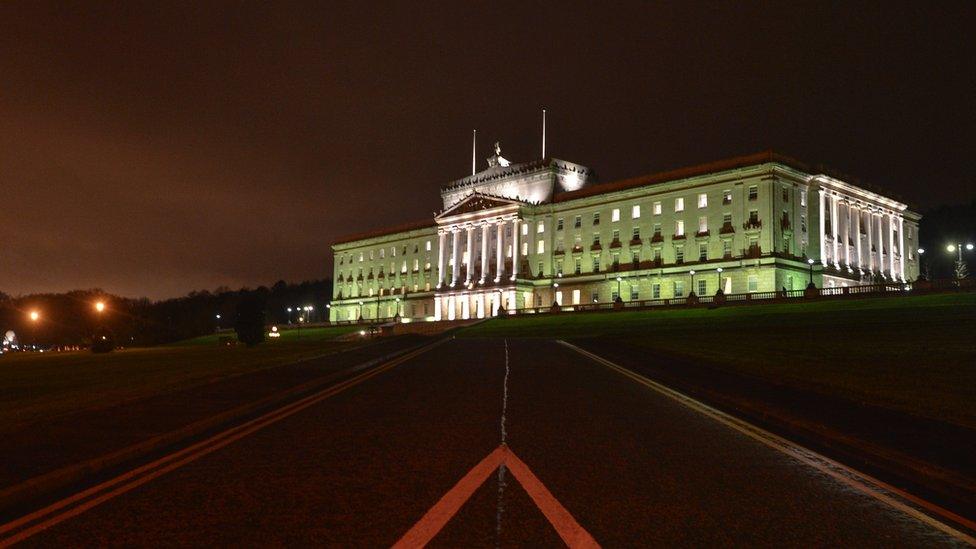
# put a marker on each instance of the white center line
(500, 508)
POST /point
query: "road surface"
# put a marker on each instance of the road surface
(627, 465)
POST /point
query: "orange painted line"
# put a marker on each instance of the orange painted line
(569, 530)
(434, 520)
(132, 479)
(572, 534)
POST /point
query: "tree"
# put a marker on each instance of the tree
(249, 324)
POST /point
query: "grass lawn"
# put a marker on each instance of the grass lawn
(321, 333)
(916, 353)
(35, 387)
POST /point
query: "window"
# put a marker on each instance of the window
(559, 267)
(635, 211)
(540, 227)
(657, 208)
(615, 215)
(727, 247)
(636, 233)
(525, 229)
(392, 251)
(615, 261)
(753, 217)
(786, 194)
(753, 192)
(416, 264)
(596, 218)
(371, 255)
(679, 254)
(702, 287)
(726, 197)
(679, 204)
(753, 283)
(616, 235)
(525, 248)
(679, 228)
(595, 296)
(540, 247)
(404, 249)
(559, 224)
(657, 229)
(655, 291)
(578, 222)
(596, 264)
(559, 297)
(803, 222)
(596, 239)
(614, 295)
(416, 248)
(634, 292)
(703, 252)
(540, 270)
(702, 200)
(577, 267)
(403, 269)
(576, 297)
(360, 257)
(803, 198)
(635, 259)
(726, 219)
(679, 288)
(657, 254)
(382, 250)
(703, 224)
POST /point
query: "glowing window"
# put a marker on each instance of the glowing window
(679, 204)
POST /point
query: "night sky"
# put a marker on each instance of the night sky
(153, 148)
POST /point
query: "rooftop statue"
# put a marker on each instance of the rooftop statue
(497, 159)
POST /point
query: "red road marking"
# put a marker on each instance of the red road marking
(434, 520)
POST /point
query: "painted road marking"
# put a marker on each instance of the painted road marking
(572, 534)
(77, 504)
(866, 484)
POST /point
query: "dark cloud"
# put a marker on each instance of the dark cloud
(154, 148)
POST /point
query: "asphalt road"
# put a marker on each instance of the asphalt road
(632, 467)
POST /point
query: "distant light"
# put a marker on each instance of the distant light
(289, 309)
(951, 248)
(218, 317)
(362, 332)
(274, 328)
(100, 306)
(34, 315)
(969, 246)
(328, 305)
(719, 269)
(621, 278)
(920, 250)
(810, 261)
(555, 284)
(692, 273)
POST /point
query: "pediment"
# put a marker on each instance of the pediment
(477, 202)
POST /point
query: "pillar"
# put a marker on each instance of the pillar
(857, 235)
(484, 253)
(834, 222)
(515, 248)
(455, 244)
(823, 212)
(441, 242)
(891, 245)
(901, 246)
(500, 230)
(470, 250)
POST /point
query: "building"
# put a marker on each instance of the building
(523, 235)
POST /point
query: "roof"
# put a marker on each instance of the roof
(683, 173)
(412, 226)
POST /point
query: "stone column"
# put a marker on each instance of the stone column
(901, 246)
(500, 244)
(470, 250)
(441, 243)
(857, 235)
(891, 245)
(833, 228)
(515, 245)
(484, 252)
(847, 233)
(456, 267)
(823, 222)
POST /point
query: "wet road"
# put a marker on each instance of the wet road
(631, 466)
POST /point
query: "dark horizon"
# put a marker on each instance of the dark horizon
(150, 150)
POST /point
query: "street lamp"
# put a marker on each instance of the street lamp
(100, 306)
(719, 271)
(810, 263)
(398, 307)
(692, 273)
(360, 311)
(289, 315)
(619, 297)
(960, 270)
(34, 316)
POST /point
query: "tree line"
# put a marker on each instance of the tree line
(71, 318)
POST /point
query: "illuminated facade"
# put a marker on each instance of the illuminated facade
(527, 235)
